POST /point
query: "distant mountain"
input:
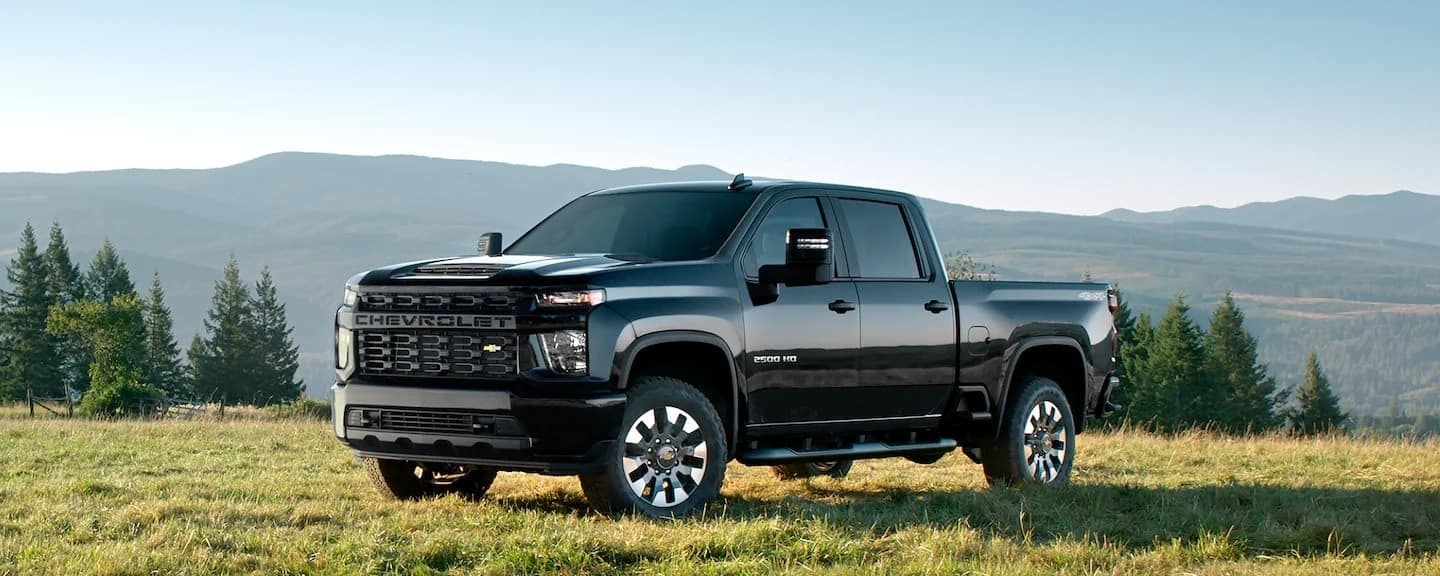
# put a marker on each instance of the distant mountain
(1370, 305)
(1401, 215)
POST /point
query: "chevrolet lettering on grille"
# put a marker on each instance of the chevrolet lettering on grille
(371, 320)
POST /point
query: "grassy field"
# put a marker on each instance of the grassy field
(283, 497)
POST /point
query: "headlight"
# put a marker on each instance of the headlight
(352, 296)
(570, 298)
(566, 351)
(344, 343)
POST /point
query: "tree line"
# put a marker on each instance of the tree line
(1176, 376)
(90, 335)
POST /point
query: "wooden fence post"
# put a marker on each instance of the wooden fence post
(30, 399)
(69, 404)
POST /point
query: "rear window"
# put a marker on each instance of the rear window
(881, 239)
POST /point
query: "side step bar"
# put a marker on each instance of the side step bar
(856, 452)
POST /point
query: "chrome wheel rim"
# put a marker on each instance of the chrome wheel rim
(665, 456)
(1047, 441)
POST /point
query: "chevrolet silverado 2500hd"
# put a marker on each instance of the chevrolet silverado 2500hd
(644, 337)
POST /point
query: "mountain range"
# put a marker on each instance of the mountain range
(1356, 278)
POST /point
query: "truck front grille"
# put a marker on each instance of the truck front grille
(438, 353)
(460, 302)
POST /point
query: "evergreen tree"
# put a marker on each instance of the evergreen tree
(1175, 383)
(108, 277)
(64, 284)
(1318, 408)
(277, 354)
(1247, 399)
(196, 355)
(33, 360)
(63, 280)
(117, 371)
(162, 355)
(225, 364)
(1124, 329)
(1135, 343)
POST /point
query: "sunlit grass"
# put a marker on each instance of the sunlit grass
(282, 496)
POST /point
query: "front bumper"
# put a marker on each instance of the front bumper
(495, 428)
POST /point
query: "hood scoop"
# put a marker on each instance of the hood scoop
(464, 270)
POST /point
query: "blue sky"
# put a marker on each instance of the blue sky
(1057, 106)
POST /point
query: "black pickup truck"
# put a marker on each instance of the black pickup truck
(643, 337)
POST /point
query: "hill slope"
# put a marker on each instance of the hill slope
(1401, 215)
(316, 219)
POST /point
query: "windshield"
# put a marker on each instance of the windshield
(661, 225)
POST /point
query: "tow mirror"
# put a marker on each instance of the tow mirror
(808, 257)
(808, 261)
(490, 244)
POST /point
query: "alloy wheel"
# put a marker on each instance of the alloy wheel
(1046, 441)
(665, 456)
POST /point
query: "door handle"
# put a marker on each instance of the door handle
(842, 306)
(936, 306)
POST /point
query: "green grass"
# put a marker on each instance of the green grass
(282, 496)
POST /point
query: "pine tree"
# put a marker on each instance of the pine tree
(1246, 396)
(1135, 343)
(63, 280)
(64, 284)
(1318, 410)
(108, 277)
(1124, 328)
(1174, 373)
(225, 364)
(33, 360)
(162, 355)
(277, 353)
(117, 372)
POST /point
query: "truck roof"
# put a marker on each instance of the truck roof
(757, 186)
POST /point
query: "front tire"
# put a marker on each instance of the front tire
(406, 480)
(798, 470)
(1037, 438)
(671, 454)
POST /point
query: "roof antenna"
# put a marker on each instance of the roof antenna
(740, 182)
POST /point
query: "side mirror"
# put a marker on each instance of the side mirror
(809, 261)
(808, 257)
(490, 244)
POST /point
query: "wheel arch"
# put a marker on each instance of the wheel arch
(647, 355)
(1058, 358)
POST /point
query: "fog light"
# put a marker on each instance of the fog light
(566, 352)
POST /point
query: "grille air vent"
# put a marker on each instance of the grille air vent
(461, 269)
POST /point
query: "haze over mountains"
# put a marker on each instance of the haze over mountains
(1358, 278)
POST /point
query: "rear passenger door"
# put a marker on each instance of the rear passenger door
(907, 329)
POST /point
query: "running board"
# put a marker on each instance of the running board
(856, 452)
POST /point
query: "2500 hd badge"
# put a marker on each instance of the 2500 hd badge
(645, 338)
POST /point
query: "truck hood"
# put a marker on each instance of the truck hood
(510, 269)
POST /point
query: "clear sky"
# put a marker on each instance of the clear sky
(1059, 106)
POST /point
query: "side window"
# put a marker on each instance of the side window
(881, 240)
(768, 244)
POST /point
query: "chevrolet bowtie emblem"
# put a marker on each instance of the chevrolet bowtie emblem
(491, 348)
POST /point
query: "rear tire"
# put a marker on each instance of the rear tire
(798, 470)
(670, 456)
(1037, 438)
(406, 480)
